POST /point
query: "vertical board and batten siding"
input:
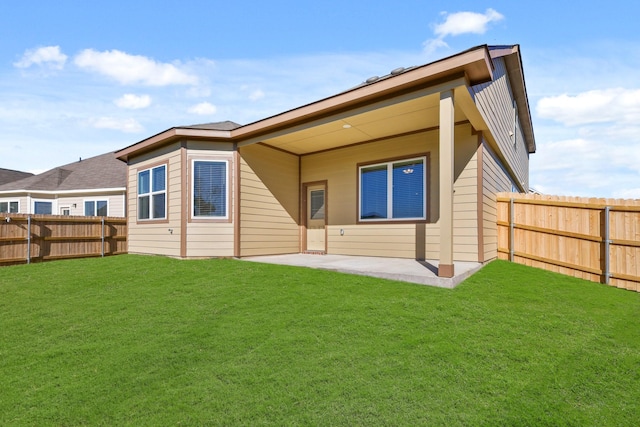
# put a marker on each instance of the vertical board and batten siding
(269, 201)
(494, 180)
(205, 238)
(568, 235)
(495, 102)
(340, 169)
(155, 237)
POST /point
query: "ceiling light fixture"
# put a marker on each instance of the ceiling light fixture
(346, 126)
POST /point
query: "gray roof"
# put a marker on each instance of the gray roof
(226, 125)
(9, 175)
(103, 171)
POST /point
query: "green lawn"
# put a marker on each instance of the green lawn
(134, 340)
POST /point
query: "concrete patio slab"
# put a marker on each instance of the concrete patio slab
(406, 270)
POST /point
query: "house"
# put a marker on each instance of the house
(94, 187)
(9, 175)
(405, 165)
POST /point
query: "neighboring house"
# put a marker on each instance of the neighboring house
(91, 187)
(9, 175)
(406, 165)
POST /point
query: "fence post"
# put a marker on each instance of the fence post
(29, 239)
(511, 229)
(607, 245)
(102, 238)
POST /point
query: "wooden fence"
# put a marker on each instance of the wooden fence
(34, 238)
(594, 239)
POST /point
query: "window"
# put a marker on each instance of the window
(152, 193)
(9, 207)
(43, 208)
(210, 189)
(393, 190)
(96, 208)
(317, 204)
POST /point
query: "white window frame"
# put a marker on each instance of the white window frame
(9, 202)
(95, 205)
(152, 193)
(192, 214)
(389, 164)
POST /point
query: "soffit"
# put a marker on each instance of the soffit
(346, 129)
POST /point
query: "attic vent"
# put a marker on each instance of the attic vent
(372, 79)
(397, 71)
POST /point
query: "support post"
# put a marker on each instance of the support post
(102, 237)
(29, 239)
(512, 219)
(607, 245)
(445, 267)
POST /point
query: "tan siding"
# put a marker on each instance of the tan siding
(153, 237)
(465, 199)
(495, 102)
(393, 240)
(269, 201)
(210, 238)
(494, 180)
(340, 169)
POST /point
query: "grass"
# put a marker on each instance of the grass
(133, 340)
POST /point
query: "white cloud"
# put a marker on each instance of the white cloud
(256, 95)
(133, 69)
(432, 45)
(133, 102)
(459, 23)
(466, 22)
(123, 125)
(48, 56)
(203, 109)
(594, 106)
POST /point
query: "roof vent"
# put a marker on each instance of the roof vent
(372, 79)
(397, 71)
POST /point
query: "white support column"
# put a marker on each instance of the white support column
(445, 267)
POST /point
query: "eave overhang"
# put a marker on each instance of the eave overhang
(464, 69)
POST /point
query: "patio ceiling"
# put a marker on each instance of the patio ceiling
(394, 117)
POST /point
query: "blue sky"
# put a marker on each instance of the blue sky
(78, 79)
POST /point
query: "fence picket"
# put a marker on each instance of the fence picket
(33, 238)
(595, 239)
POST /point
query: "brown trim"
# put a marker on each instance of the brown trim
(470, 67)
(480, 195)
(427, 156)
(383, 138)
(300, 233)
(184, 197)
(237, 164)
(166, 197)
(227, 157)
(446, 270)
(304, 187)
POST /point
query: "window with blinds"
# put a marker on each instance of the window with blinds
(393, 190)
(210, 189)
